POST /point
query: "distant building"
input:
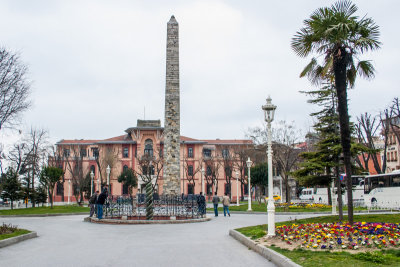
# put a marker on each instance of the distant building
(217, 158)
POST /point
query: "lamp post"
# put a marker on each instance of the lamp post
(69, 189)
(91, 182)
(108, 170)
(98, 184)
(202, 180)
(237, 188)
(281, 190)
(269, 112)
(333, 198)
(249, 163)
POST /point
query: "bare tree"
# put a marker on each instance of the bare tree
(191, 168)
(395, 118)
(285, 153)
(78, 171)
(366, 130)
(241, 155)
(14, 89)
(211, 174)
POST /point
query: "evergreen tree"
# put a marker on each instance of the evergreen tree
(11, 186)
(49, 178)
(129, 179)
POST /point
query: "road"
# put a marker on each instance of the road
(68, 241)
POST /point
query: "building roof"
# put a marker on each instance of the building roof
(229, 142)
(124, 139)
(188, 140)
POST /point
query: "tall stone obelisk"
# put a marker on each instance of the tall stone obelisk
(172, 113)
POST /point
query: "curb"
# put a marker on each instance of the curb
(43, 215)
(17, 239)
(115, 221)
(267, 253)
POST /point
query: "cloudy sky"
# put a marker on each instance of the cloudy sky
(98, 66)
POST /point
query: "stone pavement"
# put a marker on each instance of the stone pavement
(68, 241)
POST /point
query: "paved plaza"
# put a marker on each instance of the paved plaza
(68, 241)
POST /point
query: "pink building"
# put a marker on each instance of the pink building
(217, 164)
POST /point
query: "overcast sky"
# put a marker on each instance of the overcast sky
(97, 65)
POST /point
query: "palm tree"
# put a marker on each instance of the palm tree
(340, 36)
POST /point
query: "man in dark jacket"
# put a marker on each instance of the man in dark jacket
(92, 203)
(215, 201)
(201, 202)
(100, 202)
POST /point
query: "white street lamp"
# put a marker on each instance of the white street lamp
(269, 112)
(202, 180)
(333, 198)
(69, 190)
(91, 182)
(108, 170)
(249, 163)
(237, 188)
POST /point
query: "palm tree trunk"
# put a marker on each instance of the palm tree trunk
(339, 66)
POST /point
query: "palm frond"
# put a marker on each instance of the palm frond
(366, 69)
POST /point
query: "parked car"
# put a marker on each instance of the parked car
(276, 197)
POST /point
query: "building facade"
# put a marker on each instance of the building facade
(205, 165)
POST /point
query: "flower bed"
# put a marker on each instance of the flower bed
(337, 236)
(301, 205)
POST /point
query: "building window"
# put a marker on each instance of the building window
(190, 170)
(124, 168)
(227, 189)
(83, 152)
(148, 147)
(66, 152)
(228, 171)
(161, 155)
(209, 189)
(190, 152)
(190, 189)
(60, 189)
(125, 189)
(75, 189)
(207, 152)
(209, 172)
(125, 153)
(225, 153)
(95, 152)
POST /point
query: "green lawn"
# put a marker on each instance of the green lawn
(263, 208)
(46, 210)
(318, 258)
(15, 233)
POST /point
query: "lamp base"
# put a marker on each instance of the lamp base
(271, 218)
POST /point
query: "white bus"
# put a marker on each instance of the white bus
(382, 190)
(320, 195)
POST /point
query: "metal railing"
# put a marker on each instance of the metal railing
(164, 207)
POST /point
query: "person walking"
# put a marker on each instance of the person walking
(100, 202)
(215, 201)
(225, 203)
(92, 203)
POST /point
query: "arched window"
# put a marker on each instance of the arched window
(125, 168)
(148, 147)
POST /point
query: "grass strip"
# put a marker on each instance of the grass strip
(46, 210)
(14, 234)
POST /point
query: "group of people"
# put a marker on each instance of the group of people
(96, 203)
(225, 203)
